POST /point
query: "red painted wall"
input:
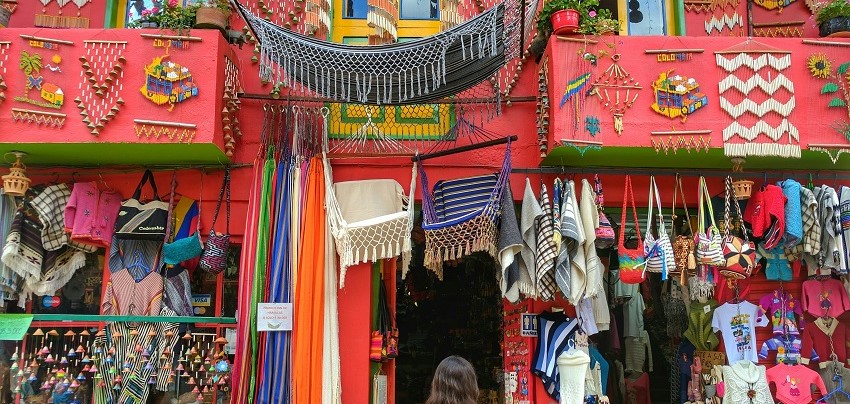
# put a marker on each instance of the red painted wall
(696, 18)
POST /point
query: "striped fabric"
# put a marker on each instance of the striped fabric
(810, 243)
(125, 296)
(569, 244)
(844, 227)
(134, 387)
(546, 252)
(50, 205)
(140, 257)
(555, 331)
(455, 198)
(9, 281)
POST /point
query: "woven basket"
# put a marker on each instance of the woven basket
(16, 182)
(743, 189)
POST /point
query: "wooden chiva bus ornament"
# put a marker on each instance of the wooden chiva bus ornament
(677, 96)
(167, 82)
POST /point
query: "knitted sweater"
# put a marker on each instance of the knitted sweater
(825, 339)
(743, 378)
(793, 213)
(90, 214)
(825, 297)
(572, 365)
(766, 211)
(793, 383)
(811, 227)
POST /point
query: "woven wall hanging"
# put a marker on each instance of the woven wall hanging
(677, 96)
(4, 58)
(100, 83)
(779, 29)
(721, 16)
(62, 21)
(617, 90)
(40, 72)
(229, 118)
(178, 132)
(667, 141)
(759, 98)
(48, 119)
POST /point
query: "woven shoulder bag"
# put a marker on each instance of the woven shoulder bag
(631, 260)
(214, 257)
(709, 245)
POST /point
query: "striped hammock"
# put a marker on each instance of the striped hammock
(362, 238)
(461, 216)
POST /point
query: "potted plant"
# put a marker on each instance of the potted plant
(833, 18)
(563, 16)
(212, 14)
(599, 22)
(166, 14)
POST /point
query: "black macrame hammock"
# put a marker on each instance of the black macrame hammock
(415, 72)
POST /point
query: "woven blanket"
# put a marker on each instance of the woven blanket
(510, 245)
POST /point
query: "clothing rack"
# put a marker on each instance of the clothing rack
(771, 174)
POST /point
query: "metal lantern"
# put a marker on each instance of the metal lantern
(16, 182)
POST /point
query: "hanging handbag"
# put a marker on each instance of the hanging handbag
(631, 260)
(214, 257)
(384, 340)
(739, 253)
(708, 244)
(605, 232)
(683, 245)
(142, 221)
(658, 251)
(186, 248)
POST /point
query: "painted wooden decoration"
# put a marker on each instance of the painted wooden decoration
(677, 96)
(48, 119)
(836, 86)
(39, 90)
(167, 82)
(759, 98)
(100, 83)
(175, 131)
(617, 90)
(673, 140)
(773, 4)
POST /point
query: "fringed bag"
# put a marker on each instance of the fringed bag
(605, 232)
(630, 260)
(683, 245)
(214, 257)
(659, 252)
(739, 253)
(709, 245)
(384, 341)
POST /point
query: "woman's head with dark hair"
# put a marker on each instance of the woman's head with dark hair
(454, 382)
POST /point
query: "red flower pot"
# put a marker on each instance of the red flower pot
(564, 21)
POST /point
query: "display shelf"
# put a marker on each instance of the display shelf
(148, 319)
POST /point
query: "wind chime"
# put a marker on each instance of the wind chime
(229, 118)
(100, 83)
(617, 90)
(62, 21)
(4, 46)
(56, 364)
(543, 106)
(755, 130)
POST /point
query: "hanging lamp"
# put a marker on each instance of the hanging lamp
(16, 182)
(743, 188)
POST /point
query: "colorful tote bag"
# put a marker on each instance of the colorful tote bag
(709, 245)
(658, 251)
(683, 245)
(605, 232)
(739, 253)
(631, 260)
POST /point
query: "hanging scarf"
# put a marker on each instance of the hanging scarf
(308, 332)
(530, 212)
(546, 252)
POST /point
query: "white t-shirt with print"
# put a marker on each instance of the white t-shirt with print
(737, 322)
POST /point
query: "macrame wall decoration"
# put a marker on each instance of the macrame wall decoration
(62, 21)
(720, 15)
(574, 86)
(41, 71)
(673, 140)
(101, 83)
(167, 82)
(229, 118)
(677, 96)
(582, 146)
(47, 119)
(617, 90)
(175, 131)
(543, 106)
(10, 5)
(837, 82)
(833, 151)
(4, 58)
(759, 98)
(779, 29)
(575, 91)
(383, 18)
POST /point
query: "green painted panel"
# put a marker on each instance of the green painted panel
(95, 154)
(647, 157)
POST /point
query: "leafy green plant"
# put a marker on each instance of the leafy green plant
(167, 14)
(599, 22)
(223, 5)
(833, 9)
(544, 18)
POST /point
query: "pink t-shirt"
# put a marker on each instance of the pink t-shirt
(825, 297)
(793, 383)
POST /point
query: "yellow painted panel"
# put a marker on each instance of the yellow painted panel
(407, 122)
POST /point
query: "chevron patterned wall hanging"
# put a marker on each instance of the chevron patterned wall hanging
(759, 98)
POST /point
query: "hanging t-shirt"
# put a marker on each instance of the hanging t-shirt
(793, 383)
(633, 316)
(784, 311)
(554, 331)
(822, 297)
(737, 322)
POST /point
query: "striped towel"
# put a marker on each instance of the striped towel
(455, 198)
